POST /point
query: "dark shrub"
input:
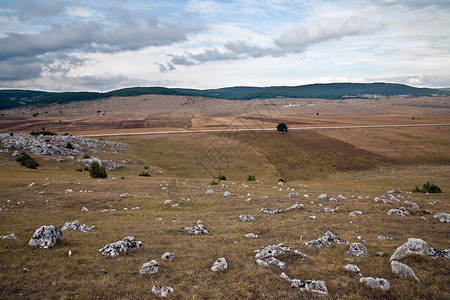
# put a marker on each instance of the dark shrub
(251, 178)
(428, 188)
(222, 177)
(97, 171)
(27, 161)
(145, 174)
(69, 146)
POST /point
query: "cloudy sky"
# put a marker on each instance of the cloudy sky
(98, 45)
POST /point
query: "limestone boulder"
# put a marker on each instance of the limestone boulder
(46, 237)
(419, 247)
(150, 267)
(357, 250)
(376, 283)
(326, 240)
(401, 269)
(219, 265)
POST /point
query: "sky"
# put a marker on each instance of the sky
(79, 45)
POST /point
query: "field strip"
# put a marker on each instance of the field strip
(263, 129)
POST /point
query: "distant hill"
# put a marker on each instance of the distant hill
(16, 98)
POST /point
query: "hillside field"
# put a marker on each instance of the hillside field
(359, 164)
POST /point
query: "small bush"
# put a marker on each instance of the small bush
(69, 146)
(86, 156)
(213, 182)
(122, 177)
(222, 177)
(43, 132)
(86, 168)
(97, 171)
(79, 170)
(427, 188)
(146, 167)
(144, 174)
(27, 161)
(251, 178)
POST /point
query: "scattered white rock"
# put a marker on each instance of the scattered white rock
(169, 256)
(276, 262)
(340, 197)
(209, 191)
(269, 251)
(45, 237)
(401, 269)
(31, 184)
(227, 194)
(71, 225)
(175, 205)
(69, 254)
(126, 195)
(353, 268)
(396, 212)
(84, 209)
(420, 247)
(385, 238)
(150, 267)
(126, 244)
(219, 265)
(295, 206)
(167, 201)
(443, 217)
(312, 217)
(251, 235)
(85, 228)
(355, 213)
(333, 200)
(322, 197)
(317, 286)
(247, 218)
(11, 236)
(162, 291)
(376, 283)
(16, 154)
(325, 240)
(270, 211)
(199, 229)
(292, 195)
(357, 250)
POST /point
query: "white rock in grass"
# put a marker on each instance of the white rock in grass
(357, 250)
(317, 286)
(126, 244)
(325, 240)
(85, 228)
(270, 211)
(396, 212)
(401, 269)
(385, 238)
(353, 268)
(150, 267)
(199, 229)
(126, 195)
(247, 218)
(71, 225)
(169, 256)
(45, 237)
(355, 213)
(443, 217)
(227, 194)
(11, 236)
(251, 235)
(167, 201)
(84, 209)
(376, 283)
(162, 291)
(420, 247)
(219, 265)
(261, 263)
(209, 191)
(322, 197)
(276, 262)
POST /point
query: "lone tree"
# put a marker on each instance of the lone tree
(282, 127)
(97, 171)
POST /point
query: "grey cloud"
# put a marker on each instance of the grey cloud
(94, 37)
(19, 69)
(40, 8)
(166, 68)
(299, 38)
(432, 81)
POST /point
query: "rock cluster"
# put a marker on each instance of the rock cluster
(247, 218)
(126, 244)
(317, 286)
(443, 217)
(325, 240)
(45, 237)
(292, 195)
(353, 268)
(355, 213)
(396, 212)
(75, 225)
(11, 236)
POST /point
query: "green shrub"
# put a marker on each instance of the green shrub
(69, 146)
(213, 182)
(43, 132)
(97, 171)
(86, 168)
(146, 167)
(86, 156)
(145, 174)
(122, 177)
(27, 161)
(251, 178)
(222, 177)
(427, 188)
(79, 170)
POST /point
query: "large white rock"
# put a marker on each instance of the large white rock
(45, 237)
(420, 247)
(326, 240)
(162, 291)
(150, 267)
(126, 244)
(353, 268)
(247, 218)
(357, 250)
(317, 286)
(443, 217)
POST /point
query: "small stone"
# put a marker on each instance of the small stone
(312, 217)
(251, 235)
(396, 190)
(11, 236)
(396, 212)
(162, 291)
(169, 256)
(227, 194)
(219, 265)
(295, 206)
(376, 283)
(150, 267)
(385, 238)
(355, 213)
(84, 209)
(167, 201)
(199, 229)
(292, 195)
(276, 262)
(357, 250)
(126, 195)
(270, 211)
(269, 251)
(247, 218)
(326, 240)
(85, 228)
(71, 225)
(317, 286)
(353, 268)
(69, 254)
(322, 197)
(126, 244)
(261, 263)
(209, 191)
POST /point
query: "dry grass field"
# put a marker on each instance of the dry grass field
(360, 164)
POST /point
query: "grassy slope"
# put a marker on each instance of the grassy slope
(88, 275)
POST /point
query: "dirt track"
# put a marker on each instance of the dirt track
(265, 129)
